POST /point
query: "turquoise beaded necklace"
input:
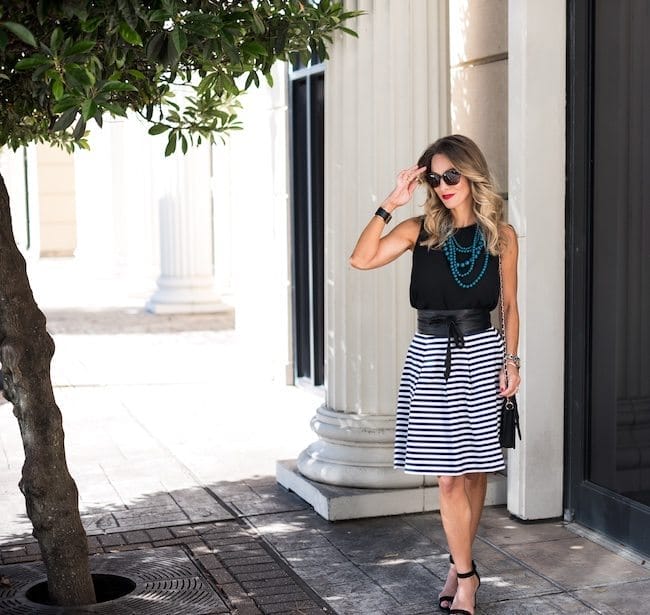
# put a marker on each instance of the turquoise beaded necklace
(463, 271)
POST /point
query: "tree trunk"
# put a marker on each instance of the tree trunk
(51, 495)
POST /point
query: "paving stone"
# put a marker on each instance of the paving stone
(209, 561)
(286, 598)
(272, 590)
(181, 531)
(293, 606)
(190, 540)
(247, 609)
(630, 598)
(110, 540)
(550, 604)
(145, 518)
(159, 533)
(222, 576)
(255, 559)
(246, 568)
(33, 549)
(135, 536)
(15, 559)
(576, 563)
(404, 581)
(502, 530)
(263, 575)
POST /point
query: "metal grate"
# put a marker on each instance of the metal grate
(167, 583)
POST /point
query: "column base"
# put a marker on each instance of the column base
(186, 308)
(336, 503)
(191, 295)
(355, 450)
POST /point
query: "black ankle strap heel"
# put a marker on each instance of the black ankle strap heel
(467, 575)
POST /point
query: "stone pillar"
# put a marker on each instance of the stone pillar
(186, 283)
(536, 155)
(386, 100)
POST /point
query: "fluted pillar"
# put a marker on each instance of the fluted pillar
(386, 100)
(186, 283)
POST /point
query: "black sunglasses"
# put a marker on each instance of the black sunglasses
(450, 176)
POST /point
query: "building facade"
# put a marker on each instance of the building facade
(554, 92)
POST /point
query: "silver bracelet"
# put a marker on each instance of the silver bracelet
(512, 358)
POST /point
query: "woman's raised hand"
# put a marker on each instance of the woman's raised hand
(407, 182)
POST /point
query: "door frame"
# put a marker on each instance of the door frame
(586, 502)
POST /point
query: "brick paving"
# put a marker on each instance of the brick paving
(250, 577)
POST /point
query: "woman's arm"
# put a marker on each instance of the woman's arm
(373, 250)
(509, 274)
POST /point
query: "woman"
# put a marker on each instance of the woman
(457, 366)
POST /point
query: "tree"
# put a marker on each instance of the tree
(64, 63)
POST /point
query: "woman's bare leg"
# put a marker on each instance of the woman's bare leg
(461, 505)
(476, 488)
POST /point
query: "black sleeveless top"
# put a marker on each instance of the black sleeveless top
(434, 288)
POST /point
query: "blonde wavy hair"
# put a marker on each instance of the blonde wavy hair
(468, 160)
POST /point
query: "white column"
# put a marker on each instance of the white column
(536, 155)
(186, 283)
(386, 100)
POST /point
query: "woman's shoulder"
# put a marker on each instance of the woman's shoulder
(507, 236)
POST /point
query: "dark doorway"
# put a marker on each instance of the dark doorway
(608, 222)
(307, 168)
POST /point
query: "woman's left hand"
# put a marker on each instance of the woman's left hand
(514, 380)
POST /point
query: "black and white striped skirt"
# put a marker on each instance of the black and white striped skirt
(450, 427)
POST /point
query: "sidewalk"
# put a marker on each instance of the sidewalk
(172, 437)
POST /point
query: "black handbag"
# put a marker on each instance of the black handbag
(509, 422)
(509, 419)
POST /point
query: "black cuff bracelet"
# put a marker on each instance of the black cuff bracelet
(382, 213)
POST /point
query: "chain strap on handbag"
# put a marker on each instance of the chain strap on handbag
(509, 415)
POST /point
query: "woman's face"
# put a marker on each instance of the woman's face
(456, 197)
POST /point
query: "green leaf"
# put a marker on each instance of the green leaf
(33, 62)
(155, 46)
(160, 15)
(57, 90)
(56, 39)
(129, 35)
(78, 48)
(171, 59)
(88, 109)
(79, 129)
(65, 120)
(66, 103)
(4, 39)
(255, 49)
(171, 144)
(114, 109)
(158, 129)
(91, 24)
(179, 38)
(79, 76)
(20, 31)
(117, 86)
(136, 73)
(258, 24)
